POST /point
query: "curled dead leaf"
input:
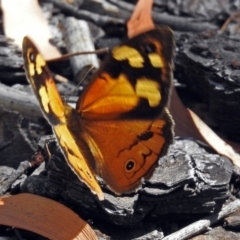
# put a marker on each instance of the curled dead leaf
(43, 216)
(188, 124)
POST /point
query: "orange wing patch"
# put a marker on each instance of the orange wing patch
(115, 97)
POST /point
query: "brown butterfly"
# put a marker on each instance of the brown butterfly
(120, 126)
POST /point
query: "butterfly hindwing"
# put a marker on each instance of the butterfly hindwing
(125, 150)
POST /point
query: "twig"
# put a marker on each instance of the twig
(227, 22)
(86, 15)
(69, 55)
(203, 225)
(176, 23)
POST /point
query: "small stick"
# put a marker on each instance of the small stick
(86, 15)
(203, 225)
(69, 55)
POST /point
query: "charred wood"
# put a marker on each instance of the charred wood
(199, 186)
(213, 76)
(86, 15)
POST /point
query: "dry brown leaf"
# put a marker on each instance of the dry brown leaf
(214, 140)
(184, 126)
(25, 18)
(43, 216)
(188, 124)
(141, 19)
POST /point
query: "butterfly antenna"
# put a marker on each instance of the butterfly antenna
(80, 82)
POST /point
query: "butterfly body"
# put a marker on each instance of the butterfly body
(120, 126)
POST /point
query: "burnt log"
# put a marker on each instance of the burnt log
(17, 141)
(11, 63)
(99, 19)
(21, 99)
(208, 63)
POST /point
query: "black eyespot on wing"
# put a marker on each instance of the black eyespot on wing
(129, 166)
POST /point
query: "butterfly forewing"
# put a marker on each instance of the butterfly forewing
(134, 81)
(58, 114)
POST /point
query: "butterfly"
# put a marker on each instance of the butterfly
(121, 125)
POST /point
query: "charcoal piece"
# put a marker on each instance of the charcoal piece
(185, 182)
(16, 145)
(209, 65)
(11, 63)
(16, 142)
(6, 183)
(212, 11)
(232, 221)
